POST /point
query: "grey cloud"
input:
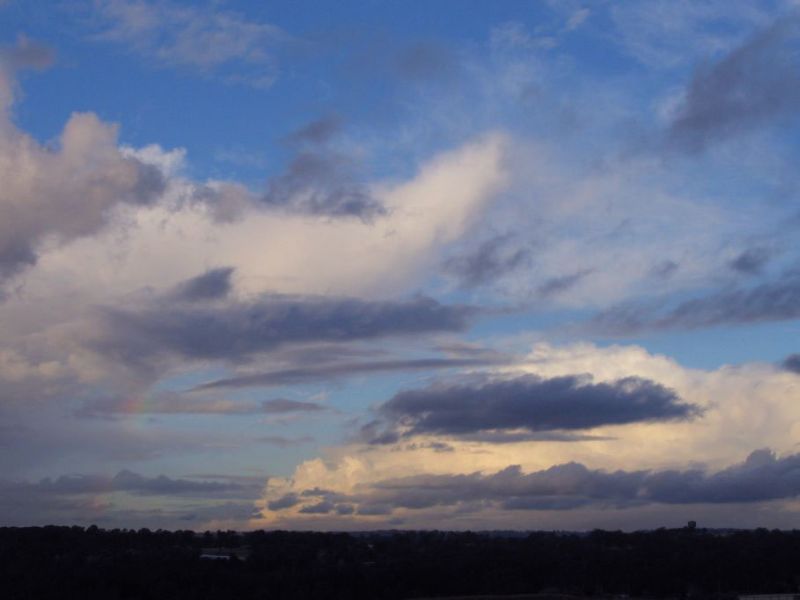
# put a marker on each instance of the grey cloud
(282, 405)
(426, 61)
(83, 499)
(528, 404)
(320, 508)
(26, 54)
(762, 477)
(285, 442)
(755, 83)
(211, 285)
(170, 403)
(287, 501)
(128, 481)
(665, 269)
(558, 285)
(490, 260)
(240, 329)
(318, 131)
(344, 369)
(322, 182)
(751, 261)
(792, 363)
(198, 38)
(776, 300)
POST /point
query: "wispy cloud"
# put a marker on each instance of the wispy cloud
(201, 38)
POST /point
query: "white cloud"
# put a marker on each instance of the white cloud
(746, 407)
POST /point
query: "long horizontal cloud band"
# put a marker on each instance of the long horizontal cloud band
(530, 403)
(239, 329)
(761, 477)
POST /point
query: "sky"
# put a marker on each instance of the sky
(368, 265)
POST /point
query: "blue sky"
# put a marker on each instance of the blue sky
(362, 265)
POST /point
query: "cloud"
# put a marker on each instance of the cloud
(64, 192)
(170, 403)
(490, 260)
(426, 61)
(128, 481)
(240, 329)
(755, 83)
(345, 369)
(211, 285)
(529, 404)
(751, 261)
(282, 405)
(318, 131)
(322, 182)
(792, 363)
(611, 467)
(285, 442)
(777, 300)
(762, 477)
(557, 285)
(129, 499)
(199, 38)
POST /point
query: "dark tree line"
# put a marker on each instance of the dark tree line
(73, 562)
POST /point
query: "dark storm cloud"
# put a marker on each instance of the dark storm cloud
(752, 85)
(751, 261)
(490, 260)
(762, 477)
(241, 329)
(777, 300)
(211, 285)
(530, 404)
(792, 363)
(344, 369)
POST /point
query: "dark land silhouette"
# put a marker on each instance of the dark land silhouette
(92, 563)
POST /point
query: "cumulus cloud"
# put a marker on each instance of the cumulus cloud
(199, 38)
(755, 83)
(64, 192)
(487, 478)
(531, 404)
(761, 477)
